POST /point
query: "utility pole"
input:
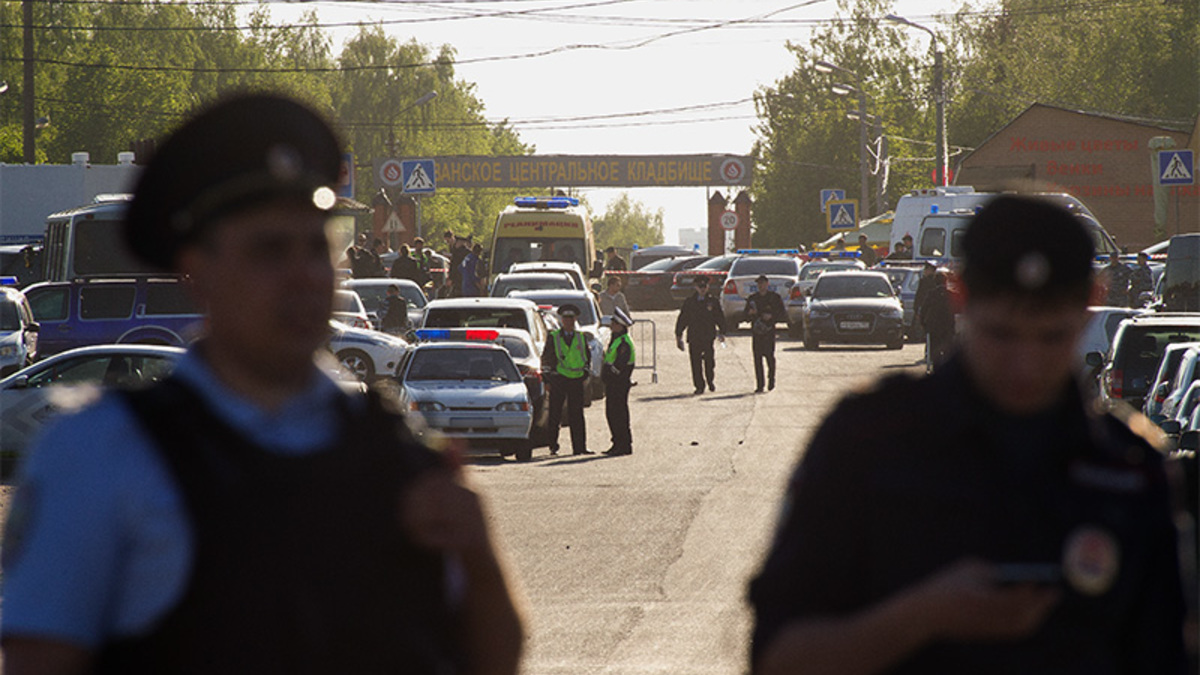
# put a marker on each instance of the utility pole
(27, 89)
(939, 93)
(864, 150)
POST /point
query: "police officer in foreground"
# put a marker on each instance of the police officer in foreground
(764, 310)
(247, 515)
(566, 361)
(617, 374)
(701, 317)
(1017, 530)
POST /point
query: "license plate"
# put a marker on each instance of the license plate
(854, 325)
(470, 422)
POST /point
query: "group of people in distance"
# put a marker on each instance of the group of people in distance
(247, 515)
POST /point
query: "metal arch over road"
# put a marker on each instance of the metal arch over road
(541, 171)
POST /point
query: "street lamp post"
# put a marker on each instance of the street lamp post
(939, 95)
(864, 203)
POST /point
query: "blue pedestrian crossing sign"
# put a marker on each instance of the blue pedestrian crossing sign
(841, 215)
(829, 195)
(418, 177)
(1176, 167)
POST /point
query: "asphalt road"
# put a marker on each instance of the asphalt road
(639, 564)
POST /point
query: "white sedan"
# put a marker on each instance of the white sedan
(366, 354)
(469, 390)
(32, 395)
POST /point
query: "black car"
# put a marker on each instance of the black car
(716, 269)
(650, 286)
(854, 308)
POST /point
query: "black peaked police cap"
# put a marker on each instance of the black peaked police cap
(238, 153)
(1027, 246)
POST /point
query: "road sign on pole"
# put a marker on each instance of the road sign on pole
(1176, 167)
(841, 215)
(729, 220)
(830, 194)
(419, 177)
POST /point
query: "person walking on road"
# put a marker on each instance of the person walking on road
(937, 312)
(764, 310)
(613, 261)
(394, 320)
(471, 270)
(1115, 279)
(866, 252)
(701, 317)
(1019, 529)
(1141, 281)
(247, 514)
(566, 361)
(407, 267)
(617, 374)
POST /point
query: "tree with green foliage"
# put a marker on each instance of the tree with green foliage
(626, 222)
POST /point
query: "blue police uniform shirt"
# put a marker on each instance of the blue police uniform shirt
(98, 543)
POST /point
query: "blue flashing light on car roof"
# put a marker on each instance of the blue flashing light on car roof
(546, 202)
(835, 254)
(8, 281)
(933, 208)
(768, 251)
(432, 334)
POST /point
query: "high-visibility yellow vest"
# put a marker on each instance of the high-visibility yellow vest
(572, 359)
(610, 356)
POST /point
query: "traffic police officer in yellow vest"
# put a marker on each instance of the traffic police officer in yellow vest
(565, 365)
(618, 369)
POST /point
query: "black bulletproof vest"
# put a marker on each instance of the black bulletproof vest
(299, 565)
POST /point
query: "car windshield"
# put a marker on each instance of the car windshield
(660, 265)
(587, 314)
(530, 282)
(720, 263)
(347, 301)
(750, 266)
(9, 318)
(476, 317)
(489, 365)
(837, 286)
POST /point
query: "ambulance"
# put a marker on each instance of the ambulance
(543, 229)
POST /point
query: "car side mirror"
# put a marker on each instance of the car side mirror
(1190, 440)
(21, 382)
(1094, 359)
(1171, 427)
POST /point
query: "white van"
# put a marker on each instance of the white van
(912, 209)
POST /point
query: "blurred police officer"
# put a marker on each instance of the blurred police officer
(565, 364)
(867, 252)
(764, 310)
(394, 319)
(701, 317)
(988, 520)
(617, 374)
(1141, 281)
(247, 515)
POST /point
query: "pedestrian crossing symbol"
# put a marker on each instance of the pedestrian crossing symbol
(418, 177)
(841, 215)
(1175, 167)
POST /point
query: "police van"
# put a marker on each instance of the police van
(543, 229)
(953, 205)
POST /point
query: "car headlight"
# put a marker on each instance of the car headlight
(893, 313)
(427, 406)
(513, 406)
(818, 313)
(7, 351)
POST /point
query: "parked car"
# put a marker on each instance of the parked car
(716, 269)
(588, 323)
(854, 308)
(18, 332)
(640, 257)
(573, 269)
(471, 391)
(782, 271)
(1160, 386)
(1137, 348)
(488, 313)
(1097, 338)
(348, 309)
(905, 279)
(649, 287)
(95, 311)
(1187, 372)
(365, 354)
(373, 291)
(531, 281)
(33, 395)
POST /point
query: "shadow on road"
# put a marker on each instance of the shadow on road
(667, 397)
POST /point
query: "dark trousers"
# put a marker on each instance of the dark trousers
(569, 390)
(764, 350)
(702, 353)
(616, 409)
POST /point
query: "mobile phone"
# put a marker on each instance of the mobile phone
(1046, 574)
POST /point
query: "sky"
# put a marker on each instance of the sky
(677, 74)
